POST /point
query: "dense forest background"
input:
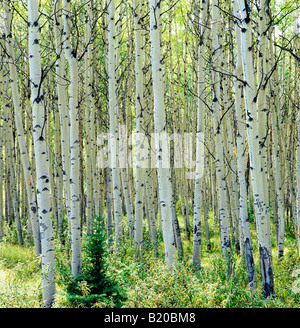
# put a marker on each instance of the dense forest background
(150, 153)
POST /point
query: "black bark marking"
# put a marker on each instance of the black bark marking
(266, 269)
(249, 261)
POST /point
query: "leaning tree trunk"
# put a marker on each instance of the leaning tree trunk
(41, 155)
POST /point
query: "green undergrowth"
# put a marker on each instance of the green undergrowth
(148, 283)
(20, 277)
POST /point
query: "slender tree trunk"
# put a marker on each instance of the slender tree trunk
(29, 182)
(41, 156)
(140, 135)
(260, 203)
(74, 144)
(241, 154)
(219, 138)
(199, 193)
(164, 174)
(113, 127)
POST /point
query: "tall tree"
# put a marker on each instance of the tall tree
(164, 173)
(260, 202)
(114, 121)
(41, 155)
(29, 181)
(199, 184)
(74, 217)
(218, 116)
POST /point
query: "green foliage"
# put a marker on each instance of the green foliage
(94, 287)
(20, 277)
(147, 283)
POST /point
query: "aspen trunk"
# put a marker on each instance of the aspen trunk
(164, 174)
(140, 114)
(113, 126)
(61, 91)
(260, 203)
(41, 156)
(29, 182)
(74, 145)
(241, 154)
(199, 193)
(219, 138)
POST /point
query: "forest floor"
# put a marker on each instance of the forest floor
(149, 284)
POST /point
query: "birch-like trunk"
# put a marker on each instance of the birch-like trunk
(29, 182)
(164, 174)
(219, 138)
(41, 156)
(113, 122)
(260, 203)
(89, 107)
(74, 143)
(199, 193)
(140, 135)
(62, 95)
(242, 159)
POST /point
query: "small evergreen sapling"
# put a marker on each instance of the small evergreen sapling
(93, 284)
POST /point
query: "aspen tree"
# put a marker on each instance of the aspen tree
(41, 156)
(170, 67)
(74, 143)
(89, 107)
(260, 203)
(140, 118)
(113, 122)
(219, 130)
(61, 91)
(29, 181)
(11, 158)
(164, 174)
(277, 150)
(241, 154)
(199, 193)
(123, 130)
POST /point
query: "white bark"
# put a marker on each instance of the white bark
(61, 90)
(89, 107)
(113, 126)
(241, 154)
(41, 156)
(164, 174)
(297, 97)
(260, 203)
(29, 182)
(219, 137)
(140, 114)
(74, 144)
(203, 29)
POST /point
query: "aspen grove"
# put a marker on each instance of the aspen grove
(175, 122)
